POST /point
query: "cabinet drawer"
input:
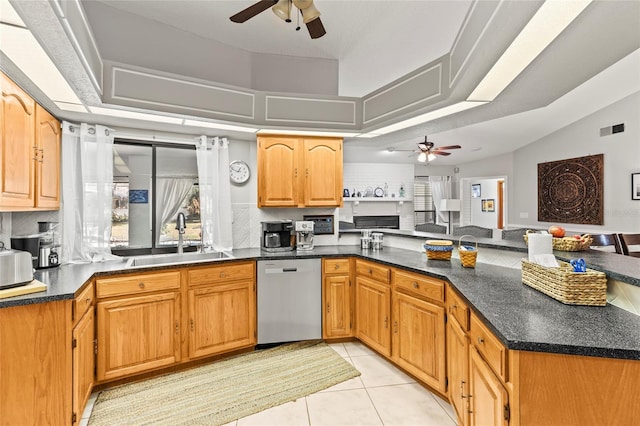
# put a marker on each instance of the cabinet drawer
(221, 273)
(371, 270)
(457, 308)
(136, 284)
(424, 286)
(336, 266)
(489, 347)
(82, 302)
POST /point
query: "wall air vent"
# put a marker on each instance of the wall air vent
(610, 130)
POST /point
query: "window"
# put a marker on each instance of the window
(152, 185)
(424, 210)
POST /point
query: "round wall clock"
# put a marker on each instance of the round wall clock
(239, 172)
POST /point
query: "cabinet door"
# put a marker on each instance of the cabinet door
(17, 147)
(337, 306)
(458, 369)
(222, 318)
(48, 166)
(322, 172)
(137, 334)
(278, 174)
(373, 306)
(488, 399)
(83, 362)
(418, 339)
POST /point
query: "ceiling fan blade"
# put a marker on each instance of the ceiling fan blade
(447, 147)
(316, 29)
(253, 10)
(440, 152)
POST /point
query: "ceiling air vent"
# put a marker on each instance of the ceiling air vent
(610, 130)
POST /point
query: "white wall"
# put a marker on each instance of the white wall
(621, 158)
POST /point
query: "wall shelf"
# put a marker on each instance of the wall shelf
(375, 199)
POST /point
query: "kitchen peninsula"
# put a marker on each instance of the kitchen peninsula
(535, 335)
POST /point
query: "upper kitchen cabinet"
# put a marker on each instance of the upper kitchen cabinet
(29, 152)
(299, 172)
(17, 147)
(48, 160)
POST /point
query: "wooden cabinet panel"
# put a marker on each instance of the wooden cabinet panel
(488, 399)
(335, 266)
(489, 346)
(457, 308)
(371, 270)
(17, 147)
(421, 285)
(221, 273)
(337, 306)
(458, 369)
(83, 302)
(138, 334)
(419, 339)
(137, 284)
(222, 318)
(299, 172)
(47, 138)
(278, 174)
(35, 364)
(83, 362)
(373, 314)
(323, 172)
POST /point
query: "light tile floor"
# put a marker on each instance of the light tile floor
(382, 395)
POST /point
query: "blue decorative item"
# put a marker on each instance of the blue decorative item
(138, 196)
(578, 265)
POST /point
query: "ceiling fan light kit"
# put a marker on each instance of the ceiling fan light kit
(282, 9)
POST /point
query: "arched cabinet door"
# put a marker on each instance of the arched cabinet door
(323, 172)
(278, 172)
(17, 147)
(48, 159)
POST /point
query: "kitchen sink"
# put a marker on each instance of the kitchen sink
(176, 258)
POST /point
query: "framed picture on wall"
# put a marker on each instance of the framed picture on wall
(488, 205)
(635, 186)
(475, 190)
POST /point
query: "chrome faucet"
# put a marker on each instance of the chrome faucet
(181, 227)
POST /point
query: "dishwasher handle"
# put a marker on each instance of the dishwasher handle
(279, 270)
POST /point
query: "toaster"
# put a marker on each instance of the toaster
(16, 268)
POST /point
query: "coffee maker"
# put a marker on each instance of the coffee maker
(304, 235)
(43, 246)
(277, 236)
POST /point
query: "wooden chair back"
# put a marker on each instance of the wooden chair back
(603, 240)
(628, 240)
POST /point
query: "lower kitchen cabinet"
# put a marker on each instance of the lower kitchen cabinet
(488, 399)
(418, 339)
(35, 364)
(336, 299)
(138, 334)
(83, 345)
(222, 318)
(458, 369)
(373, 314)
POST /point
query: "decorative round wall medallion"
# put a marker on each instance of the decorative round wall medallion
(239, 172)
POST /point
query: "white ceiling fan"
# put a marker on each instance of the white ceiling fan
(427, 150)
(282, 9)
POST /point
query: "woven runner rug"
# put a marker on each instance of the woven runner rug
(226, 390)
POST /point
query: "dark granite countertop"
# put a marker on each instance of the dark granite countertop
(616, 266)
(521, 317)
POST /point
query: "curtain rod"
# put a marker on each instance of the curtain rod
(92, 129)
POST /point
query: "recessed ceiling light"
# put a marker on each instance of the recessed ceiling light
(548, 22)
(134, 115)
(220, 126)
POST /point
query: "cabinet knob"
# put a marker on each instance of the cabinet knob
(337, 266)
(88, 300)
(395, 327)
(328, 308)
(370, 271)
(386, 322)
(141, 285)
(480, 340)
(416, 285)
(222, 275)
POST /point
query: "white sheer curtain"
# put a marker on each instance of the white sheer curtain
(440, 189)
(215, 193)
(87, 179)
(171, 191)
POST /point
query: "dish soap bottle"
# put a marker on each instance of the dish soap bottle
(401, 190)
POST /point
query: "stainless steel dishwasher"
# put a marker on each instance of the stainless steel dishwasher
(289, 300)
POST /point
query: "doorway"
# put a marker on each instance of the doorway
(484, 202)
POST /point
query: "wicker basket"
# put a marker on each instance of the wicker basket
(571, 288)
(468, 257)
(567, 243)
(439, 249)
